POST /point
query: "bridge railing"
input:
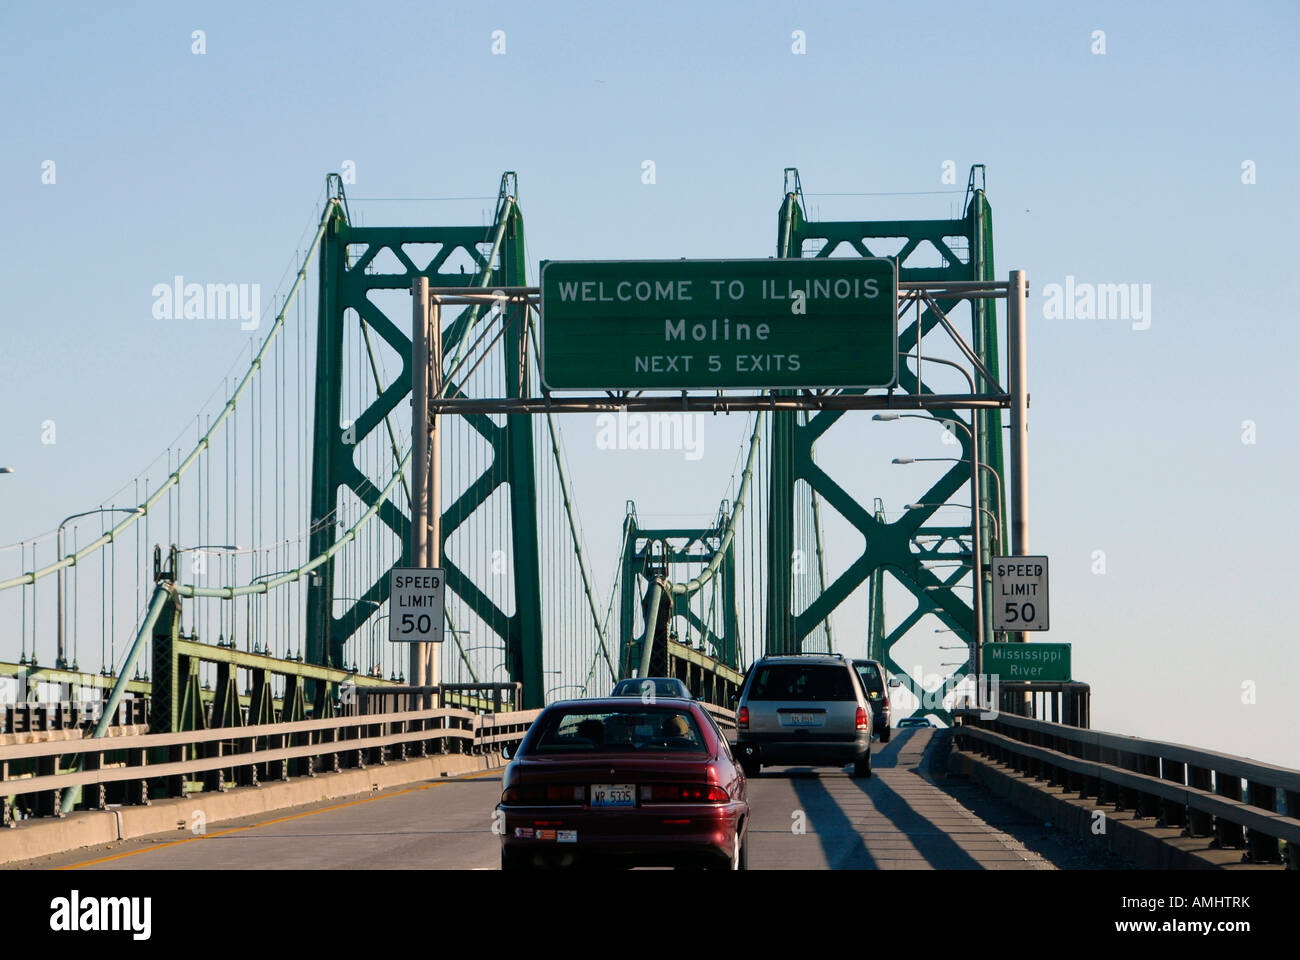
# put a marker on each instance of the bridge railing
(33, 719)
(503, 697)
(726, 719)
(1068, 702)
(135, 769)
(1239, 802)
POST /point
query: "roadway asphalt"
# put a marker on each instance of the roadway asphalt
(802, 819)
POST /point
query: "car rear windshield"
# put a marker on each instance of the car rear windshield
(798, 681)
(635, 687)
(635, 728)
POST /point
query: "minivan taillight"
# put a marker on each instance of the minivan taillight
(742, 719)
(864, 719)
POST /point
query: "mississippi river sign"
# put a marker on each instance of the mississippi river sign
(717, 324)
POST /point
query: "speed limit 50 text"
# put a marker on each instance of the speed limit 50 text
(1020, 593)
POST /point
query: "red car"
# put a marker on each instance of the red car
(620, 782)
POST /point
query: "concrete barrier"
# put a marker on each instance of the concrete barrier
(1141, 841)
(31, 839)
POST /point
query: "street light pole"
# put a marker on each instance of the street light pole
(205, 548)
(977, 550)
(433, 667)
(997, 481)
(373, 646)
(60, 657)
(993, 519)
(374, 604)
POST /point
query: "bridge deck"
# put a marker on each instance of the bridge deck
(896, 819)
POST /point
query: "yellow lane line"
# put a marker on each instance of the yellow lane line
(267, 823)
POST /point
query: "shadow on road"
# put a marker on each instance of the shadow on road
(841, 842)
(939, 850)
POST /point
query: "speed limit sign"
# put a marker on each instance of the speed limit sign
(415, 602)
(1019, 593)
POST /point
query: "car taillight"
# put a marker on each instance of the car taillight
(537, 793)
(742, 719)
(683, 793)
(864, 719)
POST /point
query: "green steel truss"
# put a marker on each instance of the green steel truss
(889, 546)
(345, 282)
(649, 553)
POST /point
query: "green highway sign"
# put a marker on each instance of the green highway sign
(1046, 662)
(716, 324)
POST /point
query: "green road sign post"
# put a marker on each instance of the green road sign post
(1040, 662)
(719, 324)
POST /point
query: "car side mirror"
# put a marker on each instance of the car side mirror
(895, 682)
(506, 751)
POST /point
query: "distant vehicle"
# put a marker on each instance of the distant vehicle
(914, 722)
(806, 708)
(872, 675)
(651, 688)
(618, 781)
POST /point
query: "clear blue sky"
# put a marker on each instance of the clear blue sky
(1122, 167)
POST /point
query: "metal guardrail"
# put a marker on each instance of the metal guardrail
(1067, 702)
(726, 719)
(496, 697)
(1239, 802)
(56, 715)
(133, 769)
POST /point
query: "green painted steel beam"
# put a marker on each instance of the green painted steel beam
(629, 568)
(28, 674)
(347, 276)
(692, 534)
(523, 644)
(207, 653)
(966, 247)
(679, 651)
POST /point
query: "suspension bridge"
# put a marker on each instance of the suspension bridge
(233, 597)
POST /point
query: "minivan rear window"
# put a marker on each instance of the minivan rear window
(871, 680)
(801, 681)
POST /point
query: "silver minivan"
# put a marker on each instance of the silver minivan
(803, 709)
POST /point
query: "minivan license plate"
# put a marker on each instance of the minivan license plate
(613, 795)
(802, 719)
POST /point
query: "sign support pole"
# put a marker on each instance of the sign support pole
(1017, 307)
(433, 668)
(420, 468)
(977, 549)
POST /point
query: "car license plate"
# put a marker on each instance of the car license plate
(803, 719)
(613, 795)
